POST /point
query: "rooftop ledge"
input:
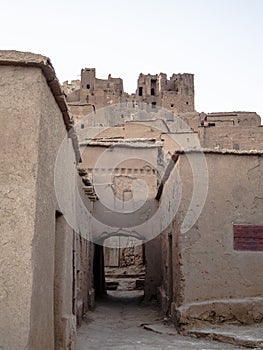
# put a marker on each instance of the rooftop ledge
(221, 151)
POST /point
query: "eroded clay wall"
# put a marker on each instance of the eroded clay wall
(178, 95)
(175, 94)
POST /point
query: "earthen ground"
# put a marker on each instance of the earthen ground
(122, 321)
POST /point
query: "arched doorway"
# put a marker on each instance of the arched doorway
(119, 264)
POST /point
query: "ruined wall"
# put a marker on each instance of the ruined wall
(72, 90)
(90, 92)
(123, 252)
(178, 95)
(216, 282)
(148, 85)
(37, 244)
(132, 256)
(175, 94)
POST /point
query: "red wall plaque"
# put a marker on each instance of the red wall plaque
(248, 237)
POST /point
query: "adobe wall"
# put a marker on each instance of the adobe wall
(120, 185)
(243, 119)
(18, 145)
(152, 268)
(231, 137)
(84, 253)
(51, 132)
(36, 247)
(216, 283)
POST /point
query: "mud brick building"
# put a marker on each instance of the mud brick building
(86, 162)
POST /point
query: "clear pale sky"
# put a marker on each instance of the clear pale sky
(220, 41)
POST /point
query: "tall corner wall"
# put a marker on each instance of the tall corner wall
(37, 275)
(19, 145)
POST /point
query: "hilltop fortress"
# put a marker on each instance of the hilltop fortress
(227, 130)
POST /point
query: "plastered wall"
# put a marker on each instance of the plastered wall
(18, 182)
(211, 281)
(232, 137)
(36, 244)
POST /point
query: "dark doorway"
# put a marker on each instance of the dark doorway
(119, 267)
(153, 87)
(98, 271)
(170, 266)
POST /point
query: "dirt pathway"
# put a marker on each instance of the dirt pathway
(117, 323)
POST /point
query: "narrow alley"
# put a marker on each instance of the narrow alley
(128, 221)
(122, 321)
